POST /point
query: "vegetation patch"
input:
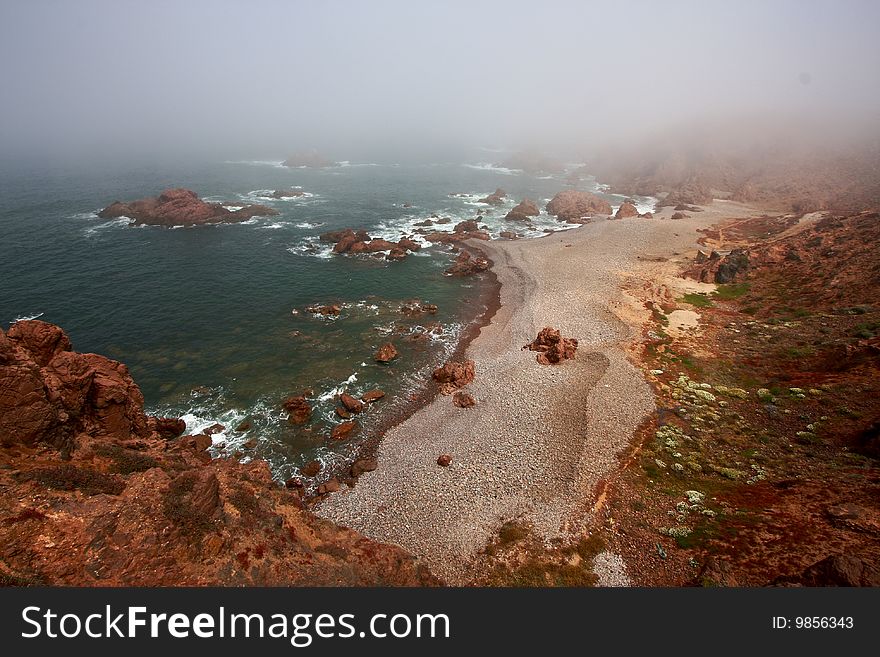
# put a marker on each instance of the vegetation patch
(69, 477)
(697, 300)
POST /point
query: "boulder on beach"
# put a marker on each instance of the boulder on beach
(572, 205)
(552, 348)
(444, 460)
(626, 210)
(521, 212)
(454, 375)
(387, 352)
(463, 400)
(180, 207)
(362, 465)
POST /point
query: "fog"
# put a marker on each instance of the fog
(395, 80)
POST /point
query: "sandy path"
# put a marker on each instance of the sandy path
(540, 437)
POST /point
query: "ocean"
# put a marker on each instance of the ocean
(211, 320)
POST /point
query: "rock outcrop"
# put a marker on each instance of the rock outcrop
(574, 206)
(454, 375)
(467, 265)
(523, 210)
(552, 348)
(180, 207)
(298, 408)
(495, 198)
(288, 193)
(307, 159)
(720, 267)
(93, 492)
(353, 241)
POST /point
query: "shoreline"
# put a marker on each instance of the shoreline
(541, 438)
(426, 393)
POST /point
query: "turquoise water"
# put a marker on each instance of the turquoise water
(204, 317)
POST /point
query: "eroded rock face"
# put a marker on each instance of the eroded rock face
(180, 207)
(522, 211)
(719, 267)
(454, 375)
(126, 504)
(50, 394)
(572, 205)
(552, 348)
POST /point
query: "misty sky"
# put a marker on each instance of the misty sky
(263, 78)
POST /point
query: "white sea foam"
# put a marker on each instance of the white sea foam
(263, 195)
(345, 164)
(486, 166)
(313, 247)
(25, 318)
(310, 224)
(86, 215)
(121, 222)
(329, 395)
(279, 164)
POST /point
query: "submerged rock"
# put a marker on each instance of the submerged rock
(344, 430)
(387, 352)
(298, 409)
(465, 265)
(351, 404)
(372, 396)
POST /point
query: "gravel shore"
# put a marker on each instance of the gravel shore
(540, 437)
